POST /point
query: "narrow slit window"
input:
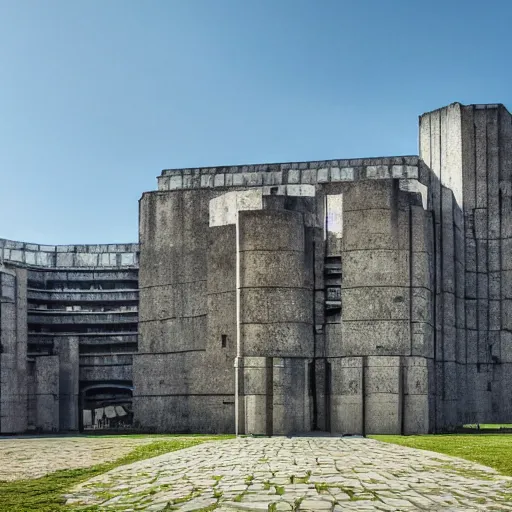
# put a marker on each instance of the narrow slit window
(224, 339)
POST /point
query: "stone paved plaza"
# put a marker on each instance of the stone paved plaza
(307, 473)
(35, 457)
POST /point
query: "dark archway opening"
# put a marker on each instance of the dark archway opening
(106, 407)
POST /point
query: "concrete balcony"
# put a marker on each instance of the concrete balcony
(91, 275)
(80, 296)
(56, 317)
(87, 338)
(111, 339)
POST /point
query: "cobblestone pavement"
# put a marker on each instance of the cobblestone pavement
(35, 457)
(316, 474)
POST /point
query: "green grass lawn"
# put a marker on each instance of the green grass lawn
(45, 494)
(494, 450)
(484, 426)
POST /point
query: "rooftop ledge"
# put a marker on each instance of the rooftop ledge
(317, 164)
(292, 174)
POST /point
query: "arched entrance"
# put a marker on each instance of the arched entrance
(106, 406)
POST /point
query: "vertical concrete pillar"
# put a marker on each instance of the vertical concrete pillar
(376, 306)
(8, 377)
(347, 395)
(13, 354)
(258, 400)
(418, 388)
(321, 415)
(239, 396)
(442, 140)
(418, 404)
(290, 395)
(221, 348)
(275, 320)
(21, 349)
(383, 390)
(376, 271)
(67, 350)
(173, 311)
(47, 393)
(448, 283)
(505, 281)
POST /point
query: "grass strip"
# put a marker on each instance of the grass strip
(493, 450)
(45, 494)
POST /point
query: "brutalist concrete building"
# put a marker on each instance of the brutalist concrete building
(352, 296)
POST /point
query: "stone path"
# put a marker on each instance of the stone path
(35, 457)
(279, 474)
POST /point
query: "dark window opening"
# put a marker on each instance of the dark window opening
(224, 340)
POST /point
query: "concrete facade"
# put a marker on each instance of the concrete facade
(355, 296)
(69, 330)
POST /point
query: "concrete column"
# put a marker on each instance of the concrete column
(173, 324)
(21, 349)
(275, 318)
(418, 399)
(290, 395)
(258, 400)
(47, 393)
(474, 142)
(322, 391)
(376, 271)
(347, 395)
(13, 355)
(376, 305)
(239, 396)
(221, 349)
(67, 350)
(443, 139)
(383, 389)
(505, 281)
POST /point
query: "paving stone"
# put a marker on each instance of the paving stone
(313, 505)
(339, 474)
(196, 504)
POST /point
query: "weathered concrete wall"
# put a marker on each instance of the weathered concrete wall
(368, 382)
(221, 340)
(47, 394)
(172, 278)
(374, 365)
(182, 392)
(104, 368)
(357, 296)
(378, 354)
(276, 284)
(442, 151)
(13, 353)
(487, 212)
(80, 304)
(376, 271)
(503, 400)
(473, 143)
(276, 324)
(67, 350)
(183, 377)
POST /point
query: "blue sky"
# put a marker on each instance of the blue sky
(96, 97)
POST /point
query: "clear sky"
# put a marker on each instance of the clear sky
(98, 96)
